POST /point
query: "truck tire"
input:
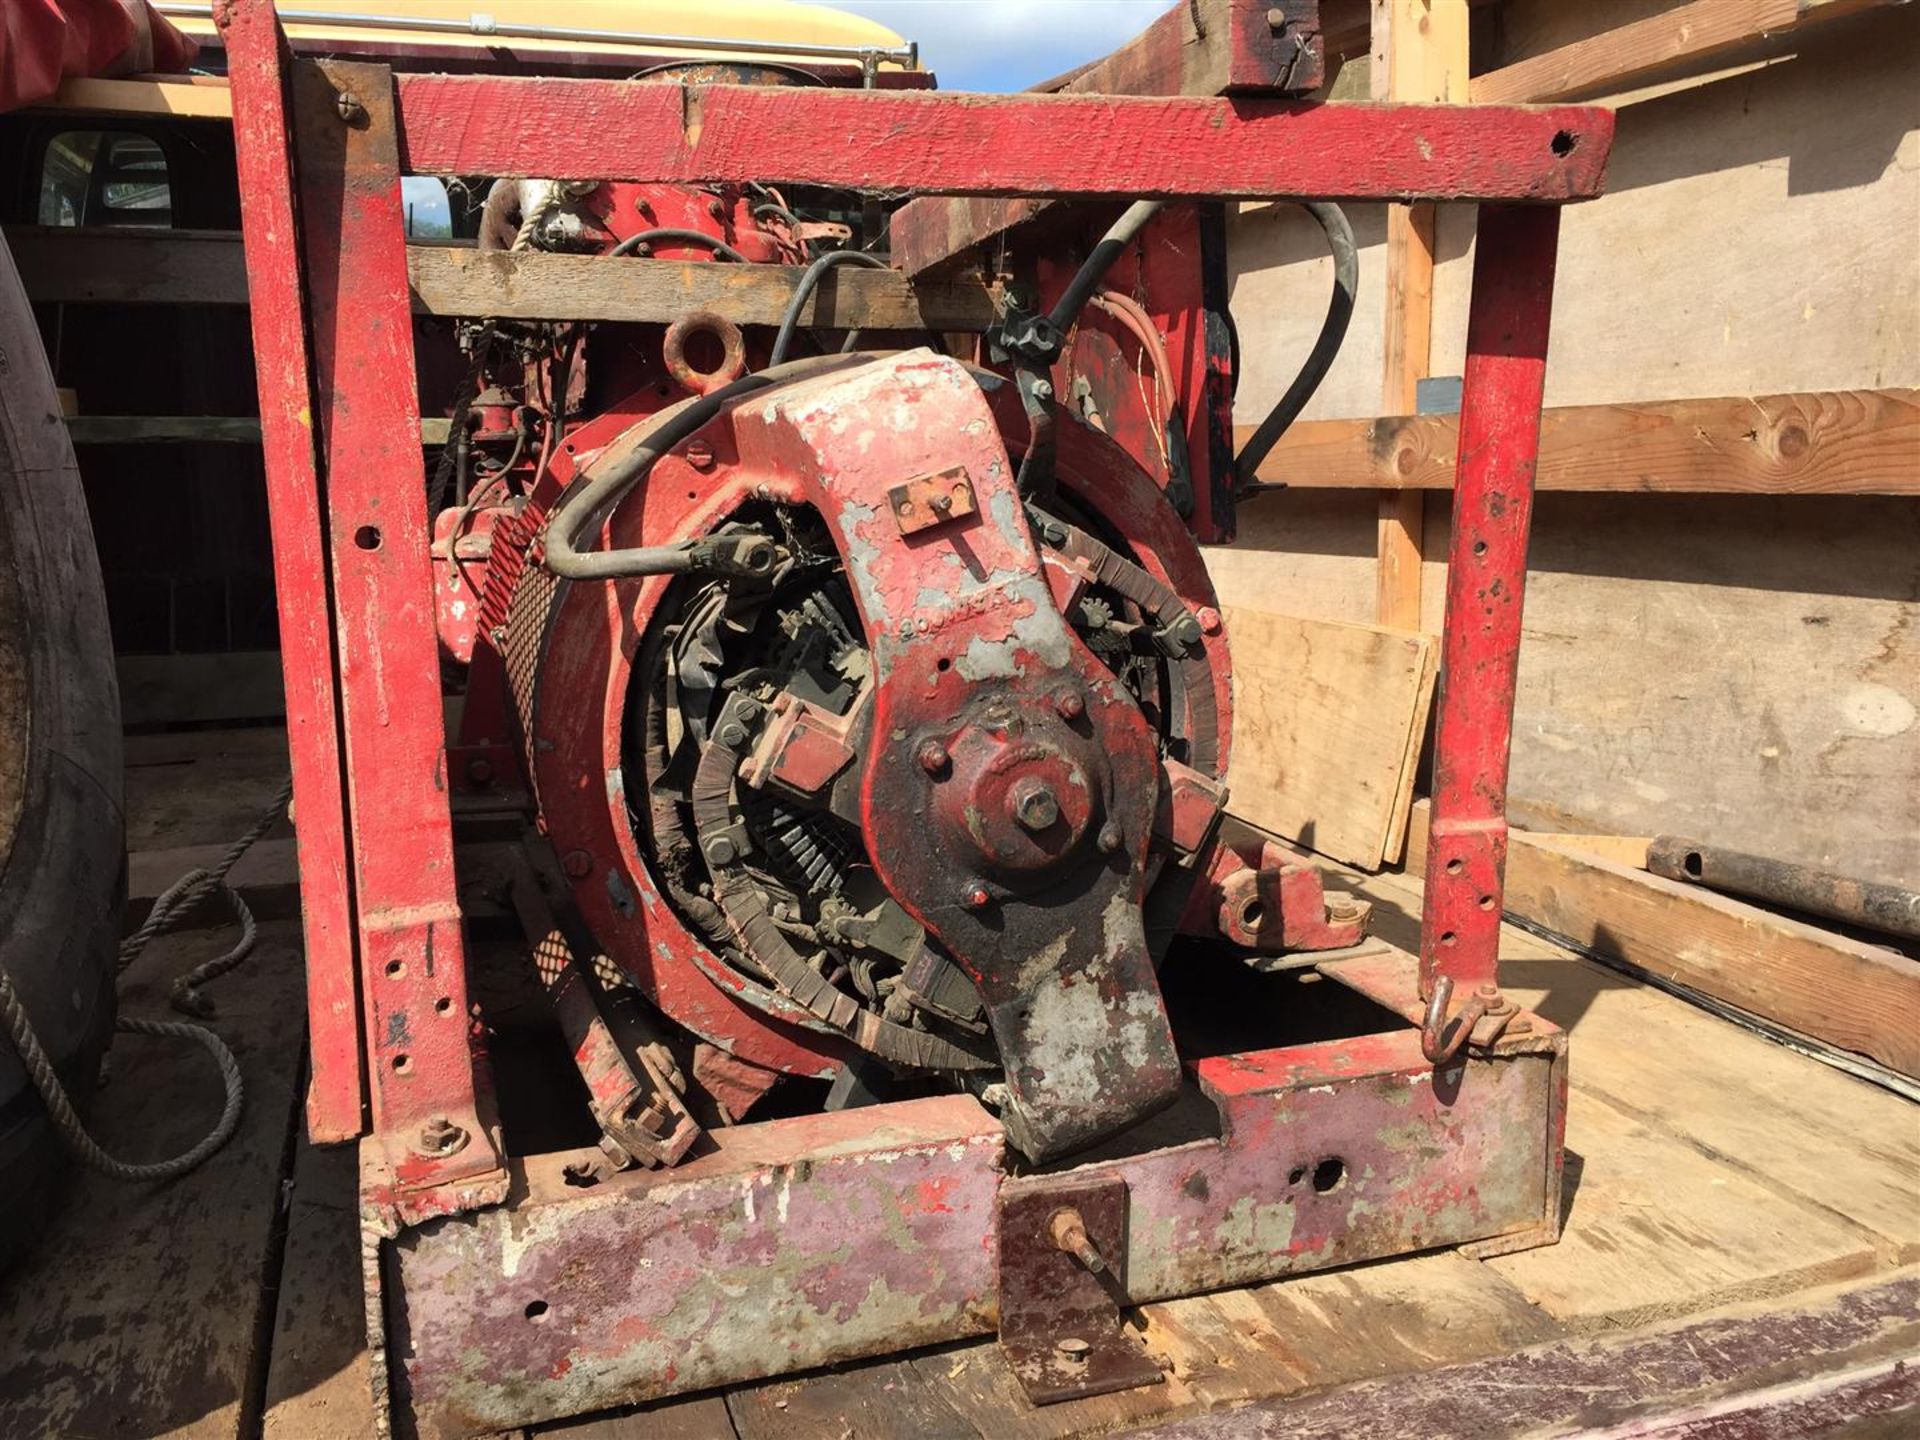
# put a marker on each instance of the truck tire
(62, 825)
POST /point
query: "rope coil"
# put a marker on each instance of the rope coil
(172, 906)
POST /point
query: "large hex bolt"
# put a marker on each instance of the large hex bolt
(1034, 805)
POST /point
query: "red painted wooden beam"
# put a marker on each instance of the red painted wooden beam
(1061, 146)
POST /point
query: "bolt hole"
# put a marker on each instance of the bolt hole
(402, 1064)
(396, 968)
(1486, 902)
(1693, 864)
(1328, 1174)
(1479, 547)
(1563, 142)
(367, 537)
(943, 663)
(443, 1006)
(536, 1310)
(1296, 1175)
(1455, 866)
(1447, 937)
(693, 494)
(1252, 913)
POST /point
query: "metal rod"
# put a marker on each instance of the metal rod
(486, 26)
(1886, 908)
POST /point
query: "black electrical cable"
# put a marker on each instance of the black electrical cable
(669, 236)
(1333, 330)
(790, 322)
(1094, 269)
(627, 464)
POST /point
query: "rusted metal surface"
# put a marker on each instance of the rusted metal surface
(1031, 862)
(796, 1244)
(336, 1096)
(421, 1053)
(1258, 894)
(1063, 1279)
(1068, 146)
(929, 500)
(1891, 909)
(1507, 327)
(1838, 1365)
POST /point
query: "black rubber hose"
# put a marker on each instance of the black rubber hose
(790, 322)
(1094, 269)
(608, 478)
(1333, 330)
(669, 236)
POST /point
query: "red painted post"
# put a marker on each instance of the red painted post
(256, 66)
(420, 1037)
(1486, 582)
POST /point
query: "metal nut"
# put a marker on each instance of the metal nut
(1034, 806)
(1073, 1348)
(578, 864)
(440, 1137)
(1071, 704)
(721, 850)
(934, 758)
(1110, 838)
(976, 897)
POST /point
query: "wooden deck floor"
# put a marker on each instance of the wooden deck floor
(1708, 1168)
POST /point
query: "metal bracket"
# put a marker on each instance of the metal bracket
(1063, 1248)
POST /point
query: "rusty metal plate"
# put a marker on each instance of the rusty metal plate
(1060, 1324)
(929, 500)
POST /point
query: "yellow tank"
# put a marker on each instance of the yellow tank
(650, 28)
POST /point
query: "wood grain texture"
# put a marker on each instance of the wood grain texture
(1858, 997)
(1060, 146)
(1655, 47)
(199, 97)
(1329, 718)
(318, 1387)
(129, 267)
(537, 286)
(140, 1310)
(1827, 442)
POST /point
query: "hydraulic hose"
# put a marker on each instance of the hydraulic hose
(1333, 330)
(809, 282)
(670, 236)
(1100, 260)
(613, 475)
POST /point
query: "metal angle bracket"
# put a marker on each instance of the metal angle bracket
(1063, 1250)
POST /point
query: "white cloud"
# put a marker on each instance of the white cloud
(1009, 44)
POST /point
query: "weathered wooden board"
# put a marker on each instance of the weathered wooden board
(318, 1386)
(140, 1311)
(977, 1383)
(1680, 39)
(1657, 1229)
(129, 266)
(1840, 442)
(1058, 146)
(1329, 719)
(887, 1397)
(199, 687)
(1859, 997)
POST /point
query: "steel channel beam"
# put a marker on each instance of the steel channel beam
(336, 1096)
(826, 1238)
(1504, 382)
(1060, 146)
(420, 1035)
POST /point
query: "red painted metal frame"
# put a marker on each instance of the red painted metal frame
(1064, 146)
(354, 512)
(336, 1098)
(1500, 402)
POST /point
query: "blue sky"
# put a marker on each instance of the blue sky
(1009, 44)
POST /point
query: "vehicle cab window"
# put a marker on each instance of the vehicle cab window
(105, 177)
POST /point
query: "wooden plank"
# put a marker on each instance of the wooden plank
(977, 1383)
(164, 429)
(1330, 720)
(1420, 54)
(1834, 1363)
(318, 1387)
(701, 1417)
(181, 97)
(536, 286)
(1684, 38)
(1656, 1230)
(1200, 47)
(887, 1397)
(267, 877)
(1858, 997)
(141, 1309)
(1412, 1314)
(99, 265)
(1822, 442)
(1060, 146)
(1223, 1347)
(172, 689)
(1627, 850)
